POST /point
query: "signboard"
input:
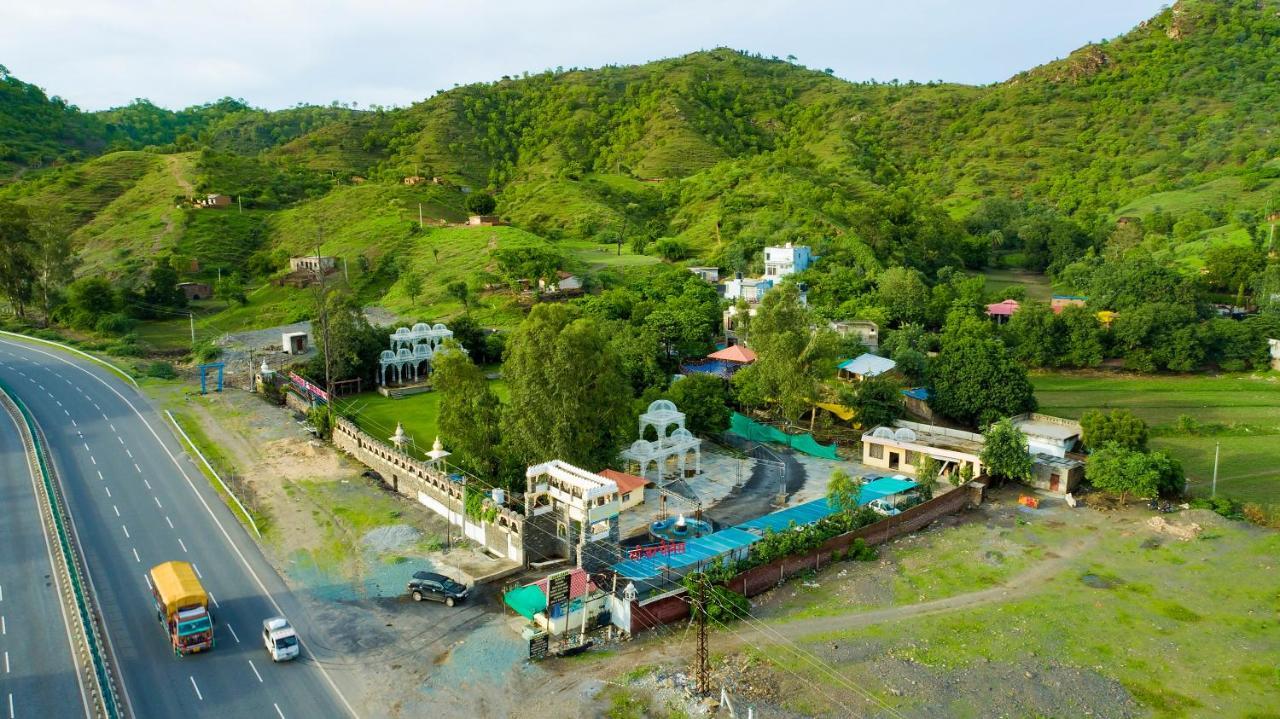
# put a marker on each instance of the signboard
(307, 388)
(664, 549)
(538, 646)
(557, 589)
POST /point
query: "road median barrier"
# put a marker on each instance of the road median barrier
(99, 672)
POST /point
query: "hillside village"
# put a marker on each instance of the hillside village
(832, 372)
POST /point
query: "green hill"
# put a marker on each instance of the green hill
(721, 152)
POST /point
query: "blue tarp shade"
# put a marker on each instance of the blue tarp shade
(719, 368)
(884, 487)
(920, 393)
(801, 514)
(710, 547)
(526, 601)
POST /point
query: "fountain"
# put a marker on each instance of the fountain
(678, 529)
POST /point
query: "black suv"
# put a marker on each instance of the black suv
(437, 587)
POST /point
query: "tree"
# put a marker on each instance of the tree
(1123, 471)
(231, 288)
(89, 299)
(704, 399)
(1004, 453)
(843, 492)
(53, 255)
(876, 402)
(470, 413)
(638, 351)
(928, 470)
(161, 289)
(974, 379)
(793, 358)
(1082, 337)
(481, 203)
(568, 397)
(1120, 427)
(17, 256)
(1034, 332)
(460, 292)
(903, 291)
(412, 282)
(354, 344)
(1227, 267)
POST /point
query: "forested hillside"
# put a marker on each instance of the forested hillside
(707, 157)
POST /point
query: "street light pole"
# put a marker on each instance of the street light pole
(1214, 491)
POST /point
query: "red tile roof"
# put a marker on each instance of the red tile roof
(626, 482)
(1004, 309)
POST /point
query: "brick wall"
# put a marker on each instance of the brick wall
(767, 576)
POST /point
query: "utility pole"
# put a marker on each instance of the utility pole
(324, 322)
(192, 317)
(419, 215)
(346, 277)
(1214, 491)
(239, 205)
(700, 607)
(253, 386)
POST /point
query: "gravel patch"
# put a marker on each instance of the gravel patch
(392, 538)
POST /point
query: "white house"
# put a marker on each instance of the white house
(708, 274)
(751, 289)
(786, 260)
(565, 282)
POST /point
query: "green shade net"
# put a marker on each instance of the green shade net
(748, 428)
(526, 601)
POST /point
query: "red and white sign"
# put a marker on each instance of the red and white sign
(664, 549)
(305, 386)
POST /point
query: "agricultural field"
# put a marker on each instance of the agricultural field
(1241, 412)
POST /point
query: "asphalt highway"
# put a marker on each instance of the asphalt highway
(37, 674)
(137, 500)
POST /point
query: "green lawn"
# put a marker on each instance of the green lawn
(1037, 285)
(595, 255)
(1241, 411)
(418, 414)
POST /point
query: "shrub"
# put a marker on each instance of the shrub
(322, 419)
(161, 370)
(671, 249)
(115, 323)
(205, 351)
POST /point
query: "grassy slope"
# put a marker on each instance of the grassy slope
(141, 222)
(1246, 406)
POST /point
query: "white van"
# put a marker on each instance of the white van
(279, 639)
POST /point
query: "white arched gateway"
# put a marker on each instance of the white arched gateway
(676, 447)
(412, 352)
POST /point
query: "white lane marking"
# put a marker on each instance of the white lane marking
(161, 506)
(91, 459)
(147, 576)
(6, 663)
(3, 629)
(233, 634)
(108, 491)
(121, 439)
(126, 451)
(117, 510)
(277, 706)
(66, 412)
(86, 446)
(126, 531)
(59, 402)
(1, 593)
(42, 389)
(184, 547)
(73, 423)
(170, 521)
(100, 475)
(193, 686)
(136, 558)
(193, 566)
(135, 466)
(211, 597)
(80, 434)
(255, 671)
(10, 705)
(104, 416)
(221, 528)
(147, 483)
(113, 427)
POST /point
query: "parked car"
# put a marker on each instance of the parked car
(436, 587)
(279, 638)
(880, 506)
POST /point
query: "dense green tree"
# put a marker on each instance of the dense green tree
(231, 288)
(974, 378)
(412, 282)
(1004, 453)
(1229, 267)
(459, 290)
(470, 414)
(1035, 335)
(481, 203)
(1081, 337)
(17, 253)
(89, 299)
(904, 293)
(704, 399)
(639, 352)
(876, 401)
(568, 398)
(161, 290)
(843, 491)
(1123, 471)
(354, 344)
(793, 357)
(1119, 427)
(53, 255)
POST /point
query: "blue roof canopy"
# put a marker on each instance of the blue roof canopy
(868, 365)
(801, 514)
(920, 393)
(884, 487)
(710, 547)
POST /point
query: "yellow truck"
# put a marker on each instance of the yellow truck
(182, 606)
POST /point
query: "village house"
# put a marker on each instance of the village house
(732, 324)
(414, 179)
(867, 332)
(214, 201)
(195, 290)
(707, 274)
(864, 366)
(564, 282)
(1003, 310)
(1049, 441)
(484, 220)
(574, 515)
(313, 264)
(630, 488)
(786, 260)
(751, 289)
(1058, 303)
(901, 448)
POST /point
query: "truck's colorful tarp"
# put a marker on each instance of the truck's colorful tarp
(748, 428)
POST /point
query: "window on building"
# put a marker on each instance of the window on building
(912, 457)
(876, 451)
(626, 497)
